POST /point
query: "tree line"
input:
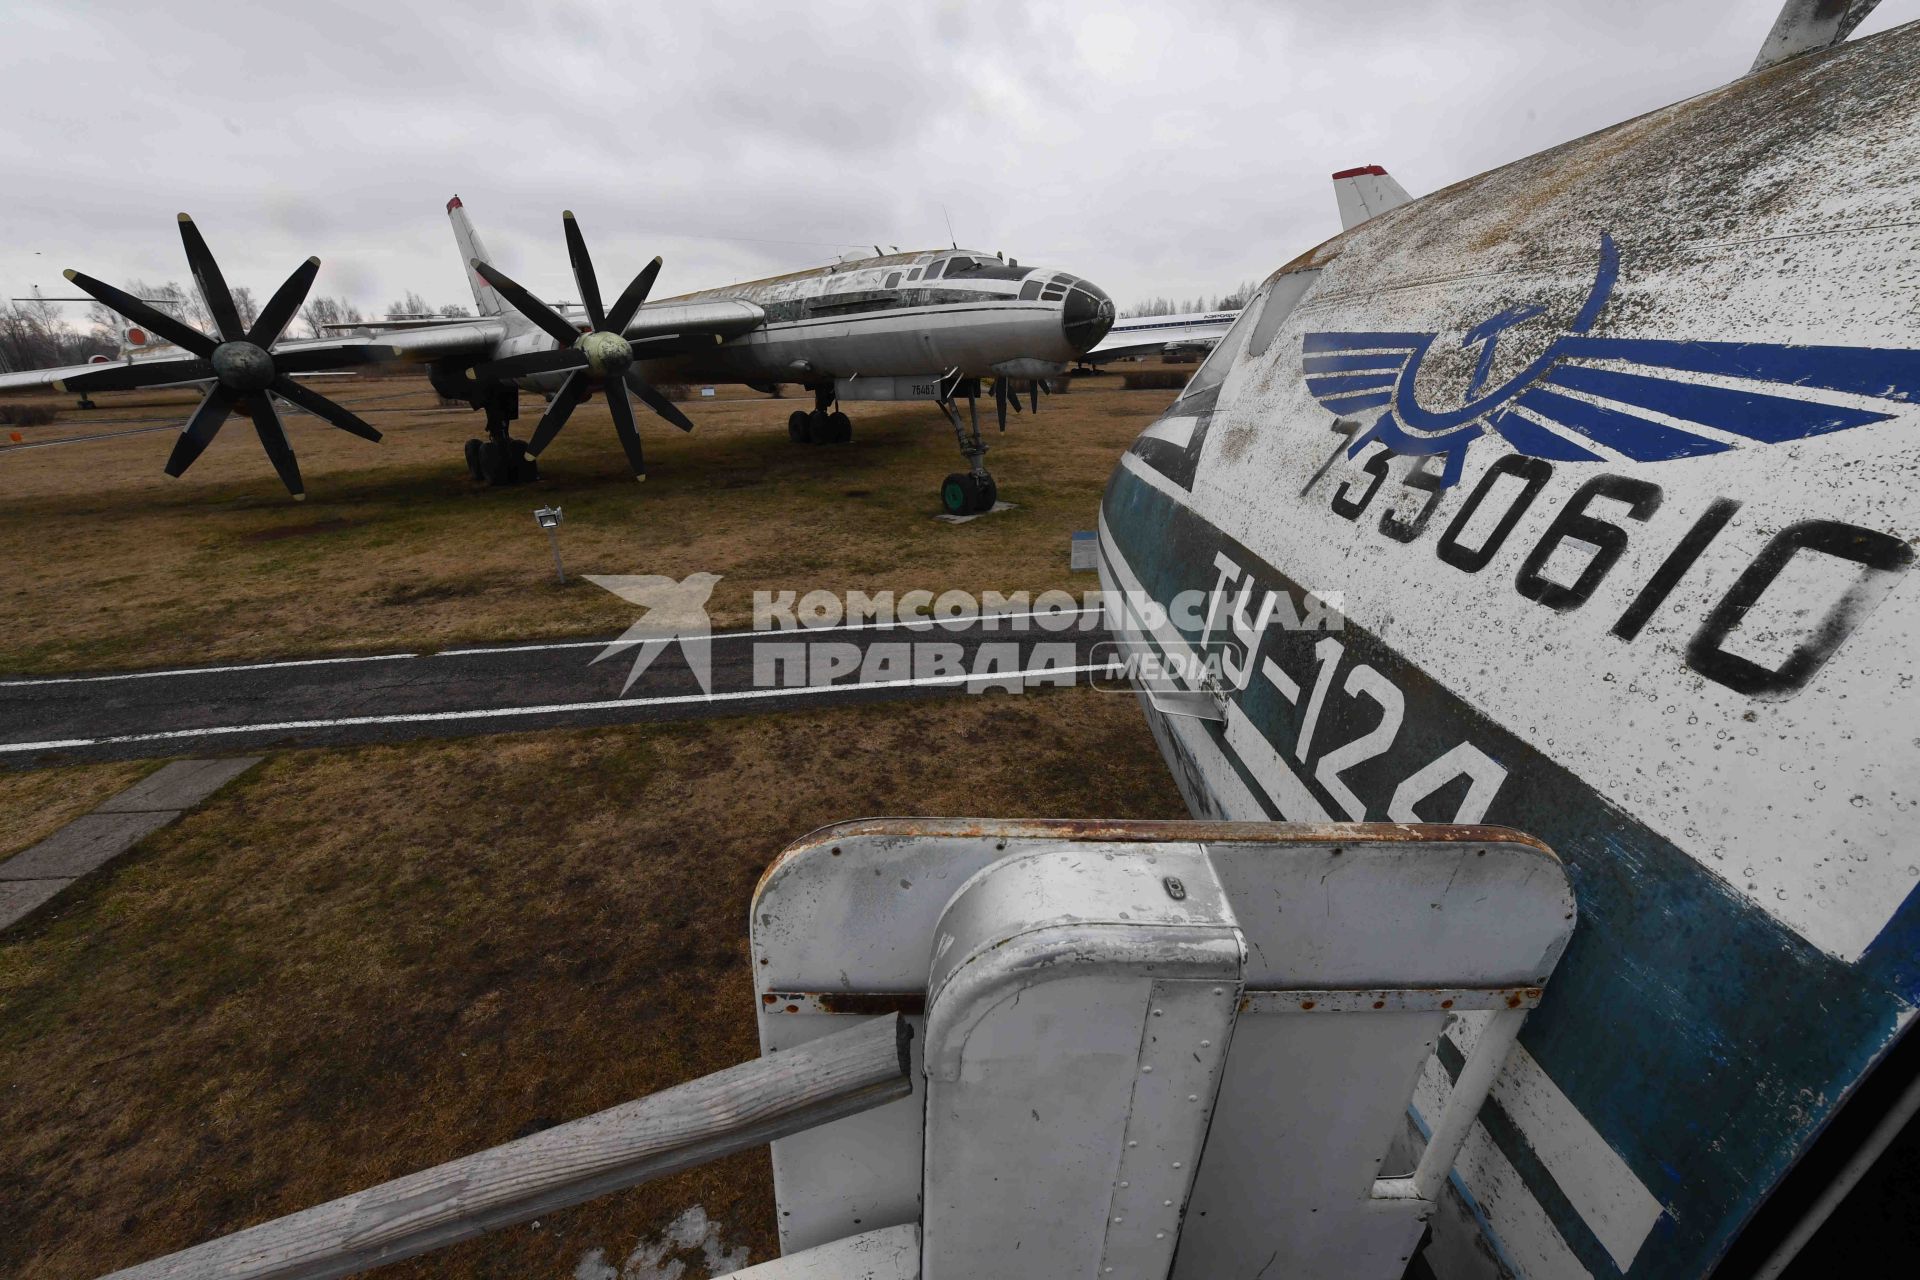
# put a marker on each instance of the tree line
(1185, 306)
(37, 334)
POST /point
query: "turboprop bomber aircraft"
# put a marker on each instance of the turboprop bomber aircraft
(899, 326)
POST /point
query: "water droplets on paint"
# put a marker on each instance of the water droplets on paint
(661, 1257)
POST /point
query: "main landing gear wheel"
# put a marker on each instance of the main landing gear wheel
(826, 428)
(967, 494)
(959, 493)
(500, 462)
(798, 430)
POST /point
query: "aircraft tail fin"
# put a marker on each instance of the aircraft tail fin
(1366, 192)
(484, 298)
(1808, 25)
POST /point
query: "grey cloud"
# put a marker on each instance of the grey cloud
(1159, 149)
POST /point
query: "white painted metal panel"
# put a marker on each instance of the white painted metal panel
(1037, 1088)
(891, 1253)
(1069, 988)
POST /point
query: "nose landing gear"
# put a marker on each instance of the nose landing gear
(973, 491)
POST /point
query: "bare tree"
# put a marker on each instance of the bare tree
(1187, 306)
(243, 303)
(454, 309)
(1238, 298)
(412, 305)
(1149, 307)
(34, 336)
(321, 312)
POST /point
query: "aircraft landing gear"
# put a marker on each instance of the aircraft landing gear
(973, 491)
(500, 459)
(820, 426)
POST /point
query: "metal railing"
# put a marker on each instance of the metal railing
(690, 1124)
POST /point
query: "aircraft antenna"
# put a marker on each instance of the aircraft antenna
(951, 239)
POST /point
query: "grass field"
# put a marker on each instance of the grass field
(352, 964)
(35, 804)
(112, 564)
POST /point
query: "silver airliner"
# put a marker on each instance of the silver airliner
(900, 326)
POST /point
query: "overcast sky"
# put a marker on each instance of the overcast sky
(1167, 148)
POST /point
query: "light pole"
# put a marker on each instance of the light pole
(549, 519)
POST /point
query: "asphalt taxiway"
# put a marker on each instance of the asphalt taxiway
(513, 687)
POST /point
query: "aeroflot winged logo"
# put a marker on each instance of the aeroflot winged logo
(674, 611)
(1648, 400)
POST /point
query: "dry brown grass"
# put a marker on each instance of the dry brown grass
(355, 963)
(112, 564)
(35, 805)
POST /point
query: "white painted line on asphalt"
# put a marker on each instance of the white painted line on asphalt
(204, 671)
(923, 624)
(929, 624)
(558, 708)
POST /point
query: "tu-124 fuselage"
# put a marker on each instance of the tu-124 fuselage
(1603, 464)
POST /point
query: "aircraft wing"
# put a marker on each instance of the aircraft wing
(466, 337)
(1149, 335)
(39, 379)
(726, 318)
(460, 337)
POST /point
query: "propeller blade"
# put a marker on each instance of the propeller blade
(180, 334)
(285, 301)
(1034, 391)
(273, 438)
(528, 305)
(583, 276)
(1000, 401)
(201, 428)
(657, 402)
(623, 425)
(213, 285)
(321, 407)
(627, 305)
(526, 365)
(130, 377)
(572, 392)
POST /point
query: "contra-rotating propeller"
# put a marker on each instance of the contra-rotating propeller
(601, 358)
(240, 363)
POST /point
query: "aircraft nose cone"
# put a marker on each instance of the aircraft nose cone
(1086, 314)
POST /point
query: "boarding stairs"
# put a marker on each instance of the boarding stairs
(1047, 1049)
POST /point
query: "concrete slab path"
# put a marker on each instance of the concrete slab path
(35, 876)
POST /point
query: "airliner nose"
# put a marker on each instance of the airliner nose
(1085, 314)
